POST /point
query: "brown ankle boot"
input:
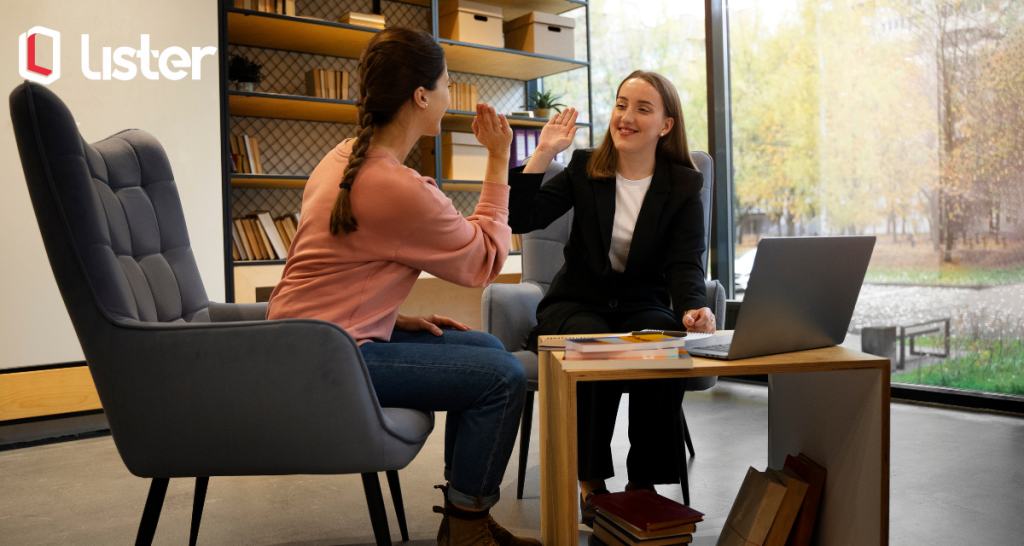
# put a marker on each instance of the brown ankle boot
(465, 528)
(506, 538)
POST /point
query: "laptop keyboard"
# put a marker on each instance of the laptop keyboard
(723, 347)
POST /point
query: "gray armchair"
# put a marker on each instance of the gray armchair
(193, 388)
(509, 311)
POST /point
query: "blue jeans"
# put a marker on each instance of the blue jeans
(471, 376)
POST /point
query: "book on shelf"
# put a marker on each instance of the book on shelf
(270, 232)
(280, 7)
(642, 512)
(796, 489)
(256, 253)
(235, 240)
(234, 252)
(327, 84)
(516, 244)
(245, 154)
(814, 474)
(607, 344)
(753, 511)
(363, 20)
(612, 533)
(463, 96)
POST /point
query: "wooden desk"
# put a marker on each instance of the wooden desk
(831, 404)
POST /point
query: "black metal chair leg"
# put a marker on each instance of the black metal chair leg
(396, 497)
(151, 513)
(686, 433)
(524, 441)
(680, 447)
(198, 501)
(375, 502)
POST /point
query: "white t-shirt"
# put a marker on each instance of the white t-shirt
(629, 197)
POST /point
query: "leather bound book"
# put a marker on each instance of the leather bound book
(814, 474)
(673, 536)
(646, 510)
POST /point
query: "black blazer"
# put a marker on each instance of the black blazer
(664, 264)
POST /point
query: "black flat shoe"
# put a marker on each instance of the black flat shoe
(589, 509)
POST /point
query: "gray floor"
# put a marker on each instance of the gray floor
(957, 478)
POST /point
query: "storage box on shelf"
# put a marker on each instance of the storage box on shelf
(542, 33)
(470, 22)
(462, 157)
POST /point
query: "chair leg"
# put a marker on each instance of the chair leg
(680, 446)
(198, 501)
(396, 497)
(375, 502)
(686, 433)
(524, 441)
(151, 513)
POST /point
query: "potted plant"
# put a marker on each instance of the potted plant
(545, 102)
(245, 73)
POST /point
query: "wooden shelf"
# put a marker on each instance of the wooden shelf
(515, 8)
(253, 28)
(273, 181)
(272, 105)
(273, 31)
(504, 63)
(461, 185)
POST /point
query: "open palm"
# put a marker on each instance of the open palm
(558, 133)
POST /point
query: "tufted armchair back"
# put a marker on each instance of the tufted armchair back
(121, 207)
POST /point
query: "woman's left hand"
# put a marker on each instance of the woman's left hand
(433, 324)
(699, 320)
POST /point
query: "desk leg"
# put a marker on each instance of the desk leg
(841, 420)
(558, 488)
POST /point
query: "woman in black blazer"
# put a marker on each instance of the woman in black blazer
(633, 261)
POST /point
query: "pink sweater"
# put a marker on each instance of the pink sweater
(406, 225)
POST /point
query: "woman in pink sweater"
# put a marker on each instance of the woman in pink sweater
(369, 226)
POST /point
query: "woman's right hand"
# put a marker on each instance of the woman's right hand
(556, 136)
(492, 130)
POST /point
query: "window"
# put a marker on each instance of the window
(899, 119)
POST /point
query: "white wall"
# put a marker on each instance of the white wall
(183, 115)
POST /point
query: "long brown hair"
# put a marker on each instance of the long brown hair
(395, 63)
(605, 159)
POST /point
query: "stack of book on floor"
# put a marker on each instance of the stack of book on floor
(245, 155)
(776, 507)
(463, 97)
(643, 518)
(258, 236)
(640, 351)
(327, 84)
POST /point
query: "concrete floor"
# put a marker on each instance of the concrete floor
(957, 478)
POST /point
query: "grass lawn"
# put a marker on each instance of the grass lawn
(999, 368)
(951, 275)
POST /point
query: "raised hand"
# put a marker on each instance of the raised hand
(558, 133)
(492, 130)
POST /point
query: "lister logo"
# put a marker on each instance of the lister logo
(28, 64)
(124, 58)
(122, 63)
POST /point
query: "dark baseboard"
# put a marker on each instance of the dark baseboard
(52, 429)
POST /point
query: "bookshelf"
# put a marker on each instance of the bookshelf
(294, 128)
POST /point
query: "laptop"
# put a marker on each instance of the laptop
(800, 296)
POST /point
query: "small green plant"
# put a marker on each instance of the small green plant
(241, 69)
(547, 100)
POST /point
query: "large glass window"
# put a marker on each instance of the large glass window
(900, 119)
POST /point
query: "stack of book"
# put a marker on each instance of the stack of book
(280, 7)
(327, 84)
(626, 351)
(257, 236)
(245, 155)
(643, 518)
(463, 96)
(363, 20)
(776, 507)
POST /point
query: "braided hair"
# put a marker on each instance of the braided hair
(395, 63)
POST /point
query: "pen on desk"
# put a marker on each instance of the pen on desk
(670, 333)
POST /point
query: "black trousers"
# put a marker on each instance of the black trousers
(653, 407)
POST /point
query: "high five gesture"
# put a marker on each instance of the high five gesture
(556, 136)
